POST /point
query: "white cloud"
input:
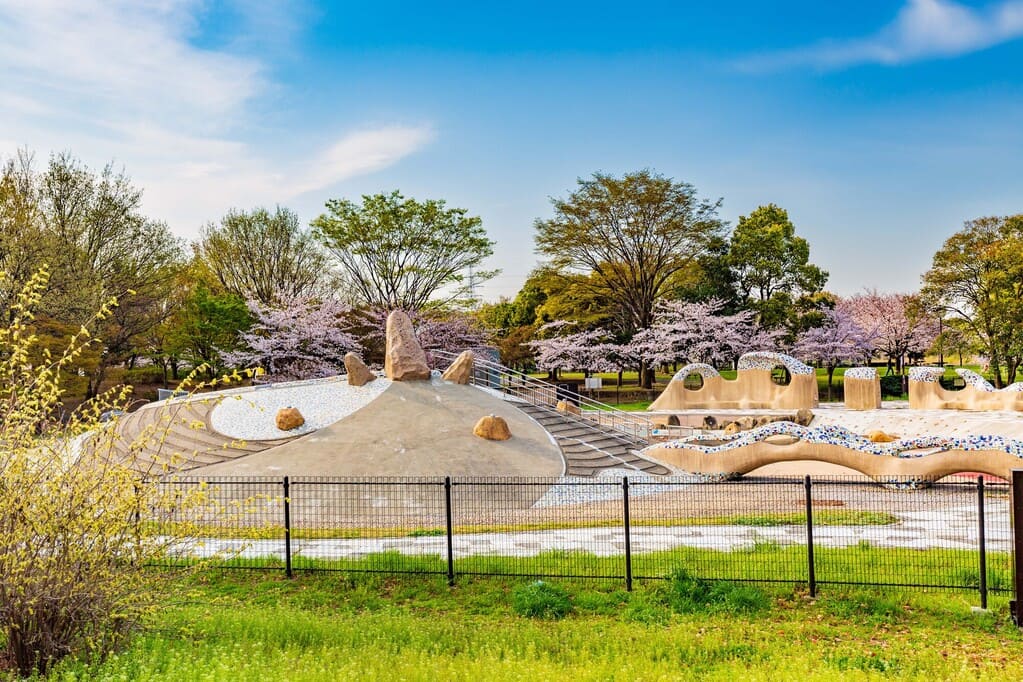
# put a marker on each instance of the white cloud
(123, 80)
(923, 29)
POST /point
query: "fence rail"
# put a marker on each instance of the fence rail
(813, 531)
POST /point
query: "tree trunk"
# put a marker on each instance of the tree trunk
(831, 374)
(646, 377)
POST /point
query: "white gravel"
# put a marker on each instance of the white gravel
(252, 415)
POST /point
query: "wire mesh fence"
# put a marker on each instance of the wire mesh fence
(955, 534)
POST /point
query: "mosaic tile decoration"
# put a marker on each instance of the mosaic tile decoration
(836, 435)
(861, 373)
(977, 381)
(926, 375)
(701, 368)
(768, 360)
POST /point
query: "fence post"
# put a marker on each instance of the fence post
(1016, 495)
(982, 542)
(628, 533)
(811, 570)
(287, 527)
(450, 531)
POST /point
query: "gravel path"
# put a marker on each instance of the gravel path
(251, 415)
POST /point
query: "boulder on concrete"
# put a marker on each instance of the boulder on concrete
(289, 418)
(358, 373)
(567, 407)
(492, 427)
(404, 359)
(460, 371)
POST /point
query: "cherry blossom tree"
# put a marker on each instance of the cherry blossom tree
(697, 332)
(301, 339)
(840, 339)
(580, 350)
(902, 324)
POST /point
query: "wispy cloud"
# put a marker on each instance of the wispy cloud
(124, 79)
(923, 29)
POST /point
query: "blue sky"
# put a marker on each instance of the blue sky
(880, 126)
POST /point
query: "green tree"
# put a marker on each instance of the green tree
(89, 228)
(629, 237)
(771, 266)
(977, 277)
(264, 256)
(205, 325)
(398, 253)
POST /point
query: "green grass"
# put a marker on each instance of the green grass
(824, 517)
(252, 626)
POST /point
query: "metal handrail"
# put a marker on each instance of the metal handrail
(540, 393)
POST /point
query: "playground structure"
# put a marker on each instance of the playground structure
(752, 389)
(862, 389)
(919, 460)
(926, 393)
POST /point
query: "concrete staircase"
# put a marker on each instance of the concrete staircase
(177, 436)
(589, 448)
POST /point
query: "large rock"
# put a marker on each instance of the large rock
(404, 359)
(804, 417)
(492, 427)
(567, 407)
(289, 418)
(460, 371)
(358, 372)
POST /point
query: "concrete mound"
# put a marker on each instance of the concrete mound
(411, 429)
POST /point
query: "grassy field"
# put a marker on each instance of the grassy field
(254, 626)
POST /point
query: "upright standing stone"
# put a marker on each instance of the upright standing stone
(404, 359)
(358, 372)
(460, 370)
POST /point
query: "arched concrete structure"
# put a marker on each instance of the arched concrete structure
(926, 458)
(925, 393)
(751, 389)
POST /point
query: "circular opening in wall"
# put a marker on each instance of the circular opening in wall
(693, 381)
(781, 376)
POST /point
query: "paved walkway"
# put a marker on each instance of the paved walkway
(954, 528)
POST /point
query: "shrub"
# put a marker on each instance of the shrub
(891, 385)
(688, 594)
(541, 600)
(72, 548)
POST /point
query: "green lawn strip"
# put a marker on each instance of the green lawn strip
(829, 517)
(244, 626)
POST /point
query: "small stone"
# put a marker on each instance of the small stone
(492, 427)
(732, 428)
(567, 407)
(289, 418)
(404, 359)
(358, 373)
(460, 371)
(880, 437)
(710, 422)
(804, 417)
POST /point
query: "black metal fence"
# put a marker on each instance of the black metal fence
(815, 531)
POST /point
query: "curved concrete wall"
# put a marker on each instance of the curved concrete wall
(752, 389)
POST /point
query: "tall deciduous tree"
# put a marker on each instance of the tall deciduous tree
(300, 339)
(977, 277)
(840, 339)
(772, 265)
(902, 324)
(264, 256)
(630, 236)
(399, 254)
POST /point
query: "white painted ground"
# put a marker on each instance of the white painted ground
(251, 415)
